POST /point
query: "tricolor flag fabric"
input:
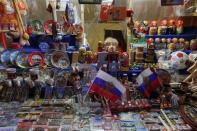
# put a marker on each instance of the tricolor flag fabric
(107, 86)
(148, 82)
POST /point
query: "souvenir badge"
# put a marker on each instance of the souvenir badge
(5, 57)
(13, 57)
(35, 59)
(22, 60)
(44, 46)
(60, 59)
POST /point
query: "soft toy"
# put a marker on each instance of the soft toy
(172, 27)
(111, 44)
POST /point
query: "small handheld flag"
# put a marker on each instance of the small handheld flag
(107, 86)
(148, 82)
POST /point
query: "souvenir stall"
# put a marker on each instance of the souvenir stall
(98, 65)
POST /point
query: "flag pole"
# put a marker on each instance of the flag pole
(89, 88)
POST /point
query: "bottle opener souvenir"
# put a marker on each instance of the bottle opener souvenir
(60, 59)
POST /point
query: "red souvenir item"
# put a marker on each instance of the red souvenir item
(47, 25)
(104, 13)
(153, 28)
(36, 58)
(150, 41)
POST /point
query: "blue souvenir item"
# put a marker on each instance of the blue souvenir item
(22, 60)
(13, 57)
(5, 57)
(44, 47)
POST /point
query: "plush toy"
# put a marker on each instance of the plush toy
(111, 44)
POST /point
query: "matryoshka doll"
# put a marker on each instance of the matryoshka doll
(163, 46)
(153, 28)
(124, 61)
(186, 45)
(89, 57)
(144, 27)
(100, 46)
(179, 27)
(157, 42)
(137, 29)
(172, 27)
(193, 44)
(82, 53)
(180, 45)
(162, 30)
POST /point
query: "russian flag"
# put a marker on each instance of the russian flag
(107, 86)
(148, 82)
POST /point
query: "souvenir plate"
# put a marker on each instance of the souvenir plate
(35, 59)
(13, 56)
(60, 59)
(5, 57)
(22, 60)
